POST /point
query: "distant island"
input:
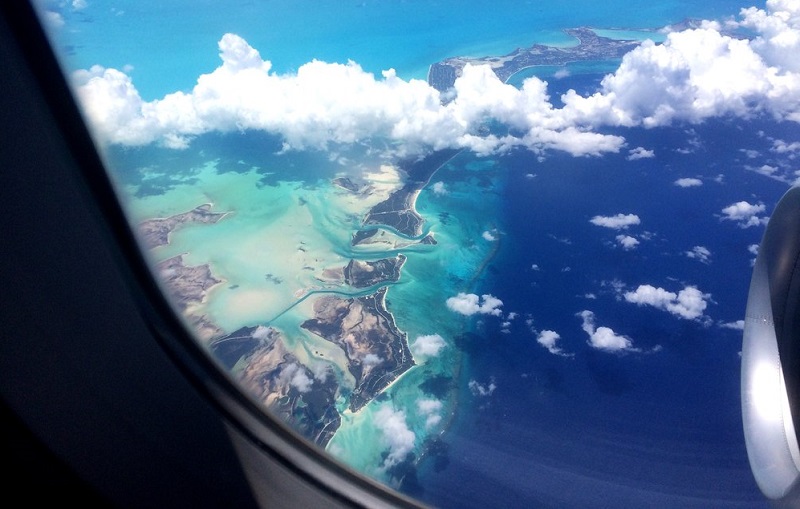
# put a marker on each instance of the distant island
(591, 47)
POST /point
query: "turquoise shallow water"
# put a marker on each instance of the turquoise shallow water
(281, 202)
(167, 51)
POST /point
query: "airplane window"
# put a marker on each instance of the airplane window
(489, 254)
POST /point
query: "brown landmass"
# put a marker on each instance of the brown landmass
(188, 286)
(376, 350)
(301, 397)
(156, 232)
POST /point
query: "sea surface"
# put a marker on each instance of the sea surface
(508, 423)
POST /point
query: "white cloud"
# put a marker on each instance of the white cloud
(243, 93)
(688, 303)
(618, 222)
(52, 19)
(430, 345)
(295, 375)
(693, 75)
(479, 389)
(439, 188)
(603, 338)
(469, 304)
(737, 325)
(79, 4)
(700, 253)
(688, 182)
(561, 73)
(548, 339)
(627, 242)
(261, 332)
(430, 408)
(640, 153)
(394, 434)
(371, 359)
(487, 235)
(782, 147)
(745, 214)
(701, 73)
(321, 370)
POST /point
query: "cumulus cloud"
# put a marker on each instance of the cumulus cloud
(627, 242)
(737, 325)
(603, 338)
(439, 188)
(688, 303)
(549, 340)
(688, 182)
(693, 75)
(700, 73)
(261, 332)
(353, 105)
(430, 345)
(700, 253)
(753, 250)
(430, 408)
(744, 214)
(783, 147)
(618, 222)
(52, 19)
(371, 360)
(479, 389)
(487, 235)
(295, 375)
(469, 304)
(640, 153)
(394, 434)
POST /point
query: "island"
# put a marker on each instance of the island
(377, 351)
(360, 274)
(591, 47)
(398, 210)
(156, 232)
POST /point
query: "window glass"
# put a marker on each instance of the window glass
(487, 253)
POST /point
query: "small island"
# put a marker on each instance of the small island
(360, 274)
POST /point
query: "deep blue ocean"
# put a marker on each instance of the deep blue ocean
(656, 426)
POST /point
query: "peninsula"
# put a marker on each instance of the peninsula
(591, 47)
(156, 232)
